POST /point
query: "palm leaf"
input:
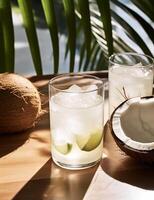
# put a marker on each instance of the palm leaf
(66, 51)
(120, 46)
(78, 35)
(28, 20)
(146, 26)
(146, 6)
(7, 33)
(132, 33)
(94, 58)
(118, 23)
(101, 61)
(88, 61)
(82, 53)
(49, 12)
(2, 49)
(85, 19)
(98, 31)
(71, 24)
(104, 8)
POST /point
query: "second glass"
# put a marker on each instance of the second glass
(76, 119)
(130, 75)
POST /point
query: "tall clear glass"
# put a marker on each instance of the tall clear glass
(76, 120)
(130, 75)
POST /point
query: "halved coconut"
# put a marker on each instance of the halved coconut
(132, 125)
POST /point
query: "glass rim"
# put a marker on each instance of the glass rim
(150, 59)
(75, 75)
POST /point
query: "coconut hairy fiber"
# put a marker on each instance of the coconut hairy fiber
(20, 104)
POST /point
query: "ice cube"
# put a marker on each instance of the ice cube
(75, 97)
(137, 70)
(74, 88)
(61, 136)
(141, 72)
(90, 96)
(70, 97)
(58, 136)
(138, 65)
(91, 88)
(92, 91)
(78, 124)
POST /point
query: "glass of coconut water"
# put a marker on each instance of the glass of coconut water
(76, 120)
(130, 75)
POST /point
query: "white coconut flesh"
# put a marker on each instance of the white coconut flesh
(133, 123)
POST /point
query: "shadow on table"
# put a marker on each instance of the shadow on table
(12, 141)
(37, 187)
(52, 182)
(124, 168)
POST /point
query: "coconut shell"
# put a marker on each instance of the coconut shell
(141, 155)
(20, 103)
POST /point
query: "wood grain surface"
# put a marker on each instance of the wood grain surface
(27, 171)
(120, 177)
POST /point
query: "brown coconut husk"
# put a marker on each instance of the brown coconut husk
(20, 104)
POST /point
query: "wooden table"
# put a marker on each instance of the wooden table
(27, 171)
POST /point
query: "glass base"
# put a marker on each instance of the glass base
(76, 167)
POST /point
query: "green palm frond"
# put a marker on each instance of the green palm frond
(132, 33)
(94, 57)
(2, 51)
(87, 64)
(146, 6)
(101, 62)
(49, 11)
(128, 29)
(147, 27)
(71, 24)
(28, 20)
(104, 9)
(95, 30)
(85, 20)
(82, 54)
(7, 37)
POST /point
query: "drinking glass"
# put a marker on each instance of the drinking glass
(76, 120)
(130, 75)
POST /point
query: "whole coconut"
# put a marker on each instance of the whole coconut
(20, 103)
